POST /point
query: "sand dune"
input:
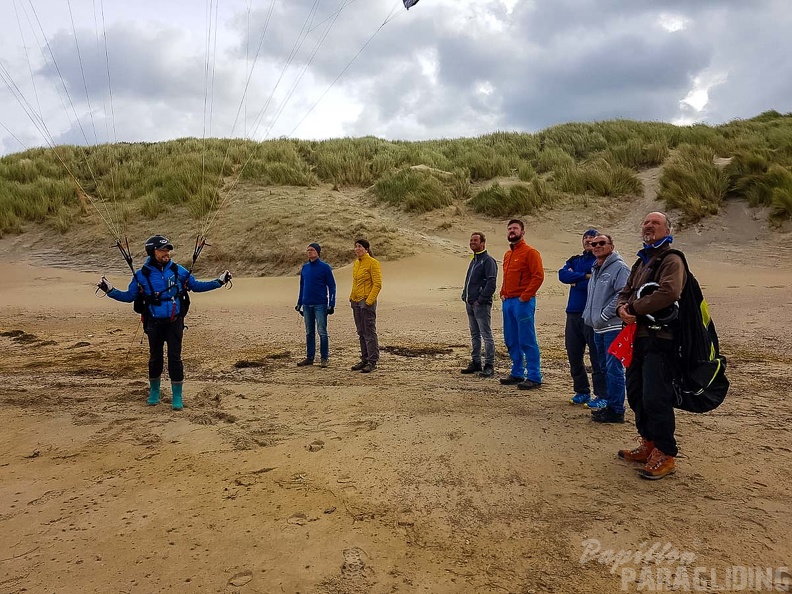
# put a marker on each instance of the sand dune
(411, 479)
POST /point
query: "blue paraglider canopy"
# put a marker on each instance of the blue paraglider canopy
(410, 3)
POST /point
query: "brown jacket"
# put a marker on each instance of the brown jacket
(671, 277)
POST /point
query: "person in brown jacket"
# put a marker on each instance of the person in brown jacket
(523, 274)
(650, 391)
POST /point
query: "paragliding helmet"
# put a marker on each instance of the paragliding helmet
(662, 317)
(157, 242)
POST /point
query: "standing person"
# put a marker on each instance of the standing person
(576, 272)
(650, 391)
(522, 276)
(160, 286)
(366, 285)
(477, 294)
(316, 301)
(608, 277)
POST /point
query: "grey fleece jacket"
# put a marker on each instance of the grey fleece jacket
(603, 294)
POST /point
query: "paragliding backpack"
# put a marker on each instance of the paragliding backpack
(143, 300)
(702, 384)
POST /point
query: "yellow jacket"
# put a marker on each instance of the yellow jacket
(366, 280)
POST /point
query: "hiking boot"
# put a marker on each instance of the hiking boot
(368, 368)
(596, 403)
(359, 366)
(511, 380)
(657, 466)
(529, 385)
(472, 367)
(323, 363)
(305, 362)
(606, 415)
(488, 371)
(639, 454)
(580, 399)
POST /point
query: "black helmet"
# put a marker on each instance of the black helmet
(662, 317)
(157, 242)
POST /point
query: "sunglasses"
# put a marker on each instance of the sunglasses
(598, 243)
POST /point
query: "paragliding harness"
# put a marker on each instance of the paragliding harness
(143, 300)
(701, 383)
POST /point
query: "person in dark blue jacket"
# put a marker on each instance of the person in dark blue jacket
(477, 293)
(159, 290)
(576, 273)
(316, 301)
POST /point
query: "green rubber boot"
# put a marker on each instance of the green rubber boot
(176, 401)
(154, 392)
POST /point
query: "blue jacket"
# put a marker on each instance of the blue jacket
(167, 283)
(580, 266)
(480, 280)
(317, 284)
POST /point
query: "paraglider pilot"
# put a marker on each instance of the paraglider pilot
(159, 292)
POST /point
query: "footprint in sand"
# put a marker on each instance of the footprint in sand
(353, 564)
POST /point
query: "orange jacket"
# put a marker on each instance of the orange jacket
(523, 273)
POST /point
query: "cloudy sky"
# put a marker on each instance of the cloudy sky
(445, 68)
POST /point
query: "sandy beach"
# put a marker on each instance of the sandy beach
(413, 478)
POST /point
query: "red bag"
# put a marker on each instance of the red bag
(622, 345)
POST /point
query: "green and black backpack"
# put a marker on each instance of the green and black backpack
(701, 385)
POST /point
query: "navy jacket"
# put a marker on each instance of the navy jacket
(317, 284)
(480, 280)
(581, 266)
(167, 283)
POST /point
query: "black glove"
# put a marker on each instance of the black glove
(224, 277)
(330, 310)
(104, 285)
(298, 309)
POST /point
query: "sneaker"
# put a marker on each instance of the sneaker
(606, 415)
(580, 398)
(596, 403)
(368, 368)
(472, 367)
(323, 363)
(529, 385)
(305, 362)
(359, 366)
(639, 454)
(511, 380)
(657, 466)
(488, 371)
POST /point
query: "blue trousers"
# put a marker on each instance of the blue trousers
(480, 322)
(315, 317)
(613, 368)
(519, 333)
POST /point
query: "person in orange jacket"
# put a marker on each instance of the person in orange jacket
(523, 274)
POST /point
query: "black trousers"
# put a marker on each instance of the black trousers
(650, 391)
(159, 333)
(578, 336)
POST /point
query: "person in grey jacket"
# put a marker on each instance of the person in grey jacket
(477, 294)
(608, 277)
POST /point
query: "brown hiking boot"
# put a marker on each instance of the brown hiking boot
(639, 454)
(658, 466)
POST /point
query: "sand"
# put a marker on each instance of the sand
(413, 478)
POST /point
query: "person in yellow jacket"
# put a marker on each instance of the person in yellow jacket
(366, 285)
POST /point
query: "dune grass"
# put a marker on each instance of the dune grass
(519, 199)
(692, 183)
(599, 158)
